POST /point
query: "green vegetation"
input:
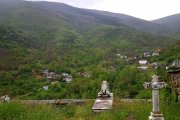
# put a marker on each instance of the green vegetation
(38, 36)
(121, 111)
(171, 53)
(21, 64)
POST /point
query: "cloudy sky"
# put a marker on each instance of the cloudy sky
(145, 9)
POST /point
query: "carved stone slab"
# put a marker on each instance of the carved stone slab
(103, 104)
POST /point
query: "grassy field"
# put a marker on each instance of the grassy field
(121, 111)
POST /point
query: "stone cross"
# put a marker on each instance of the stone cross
(155, 86)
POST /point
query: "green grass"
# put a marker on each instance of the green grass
(121, 111)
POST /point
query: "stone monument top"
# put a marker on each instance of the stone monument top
(104, 93)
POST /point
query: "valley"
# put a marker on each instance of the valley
(90, 46)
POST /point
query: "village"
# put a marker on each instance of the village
(104, 100)
(144, 64)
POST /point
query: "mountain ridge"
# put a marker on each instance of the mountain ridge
(39, 18)
(116, 18)
(172, 22)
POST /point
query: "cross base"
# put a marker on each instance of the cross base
(156, 116)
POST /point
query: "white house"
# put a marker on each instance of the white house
(50, 75)
(119, 55)
(143, 67)
(45, 88)
(147, 54)
(176, 63)
(155, 54)
(143, 62)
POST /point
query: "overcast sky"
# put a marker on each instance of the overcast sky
(145, 9)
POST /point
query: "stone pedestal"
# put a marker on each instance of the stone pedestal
(103, 104)
(156, 116)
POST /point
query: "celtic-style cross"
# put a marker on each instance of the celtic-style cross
(155, 86)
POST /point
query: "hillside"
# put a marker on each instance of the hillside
(14, 46)
(18, 61)
(138, 24)
(172, 22)
(40, 18)
(85, 17)
(171, 53)
(39, 35)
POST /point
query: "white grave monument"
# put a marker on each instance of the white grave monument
(104, 99)
(155, 86)
(6, 98)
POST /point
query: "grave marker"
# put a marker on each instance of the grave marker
(104, 99)
(155, 86)
(6, 98)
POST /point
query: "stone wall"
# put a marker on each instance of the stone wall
(174, 77)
